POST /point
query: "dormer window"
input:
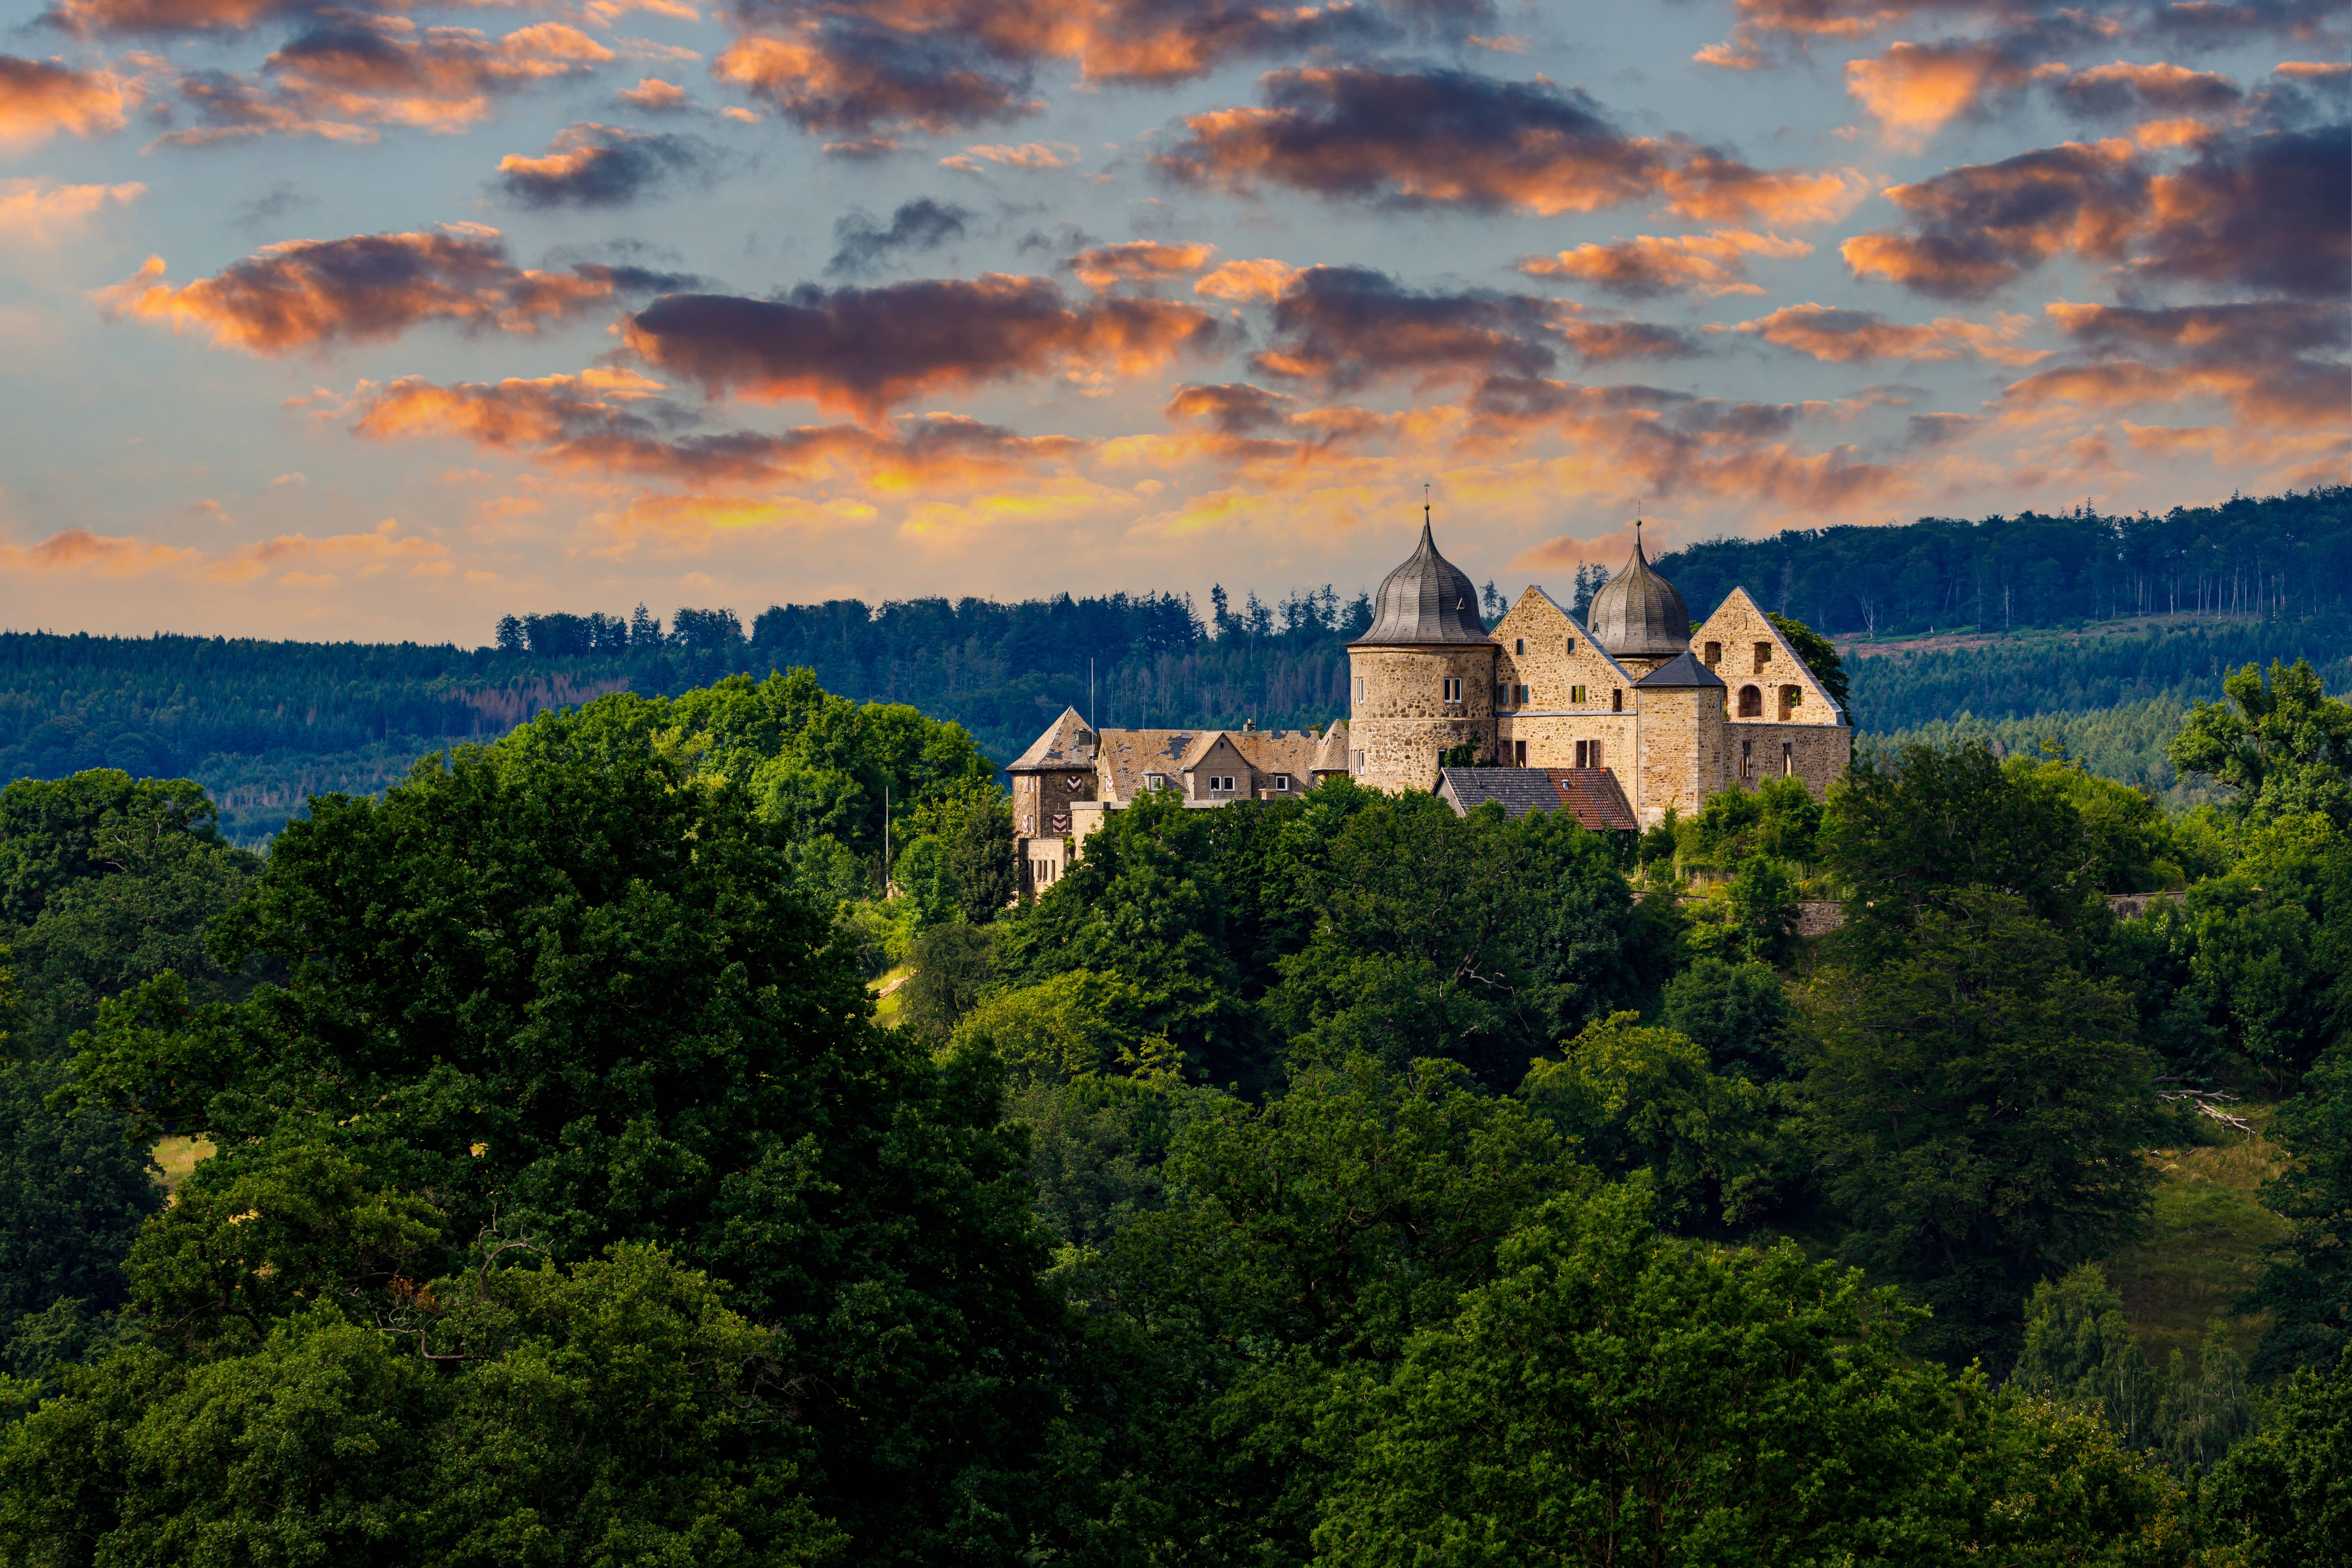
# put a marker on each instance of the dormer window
(1155, 781)
(1221, 785)
(1282, 783)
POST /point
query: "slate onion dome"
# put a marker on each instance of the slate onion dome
(1427, 600)
(1637, 613)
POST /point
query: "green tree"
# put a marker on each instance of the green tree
(1077, 1024)
(1316, 1232)
(1818, 653)
(2078, 1349)
(1617, 1396)
(953, 964)
(1779, 817)
(980, 858)
(1630, 1099)
(1909, 836)
(2282, 744)
(570, 981)
(1978, 1110)
(1735, 1012)
(73, 1194)
(2284, 1496)
(2305, 1282)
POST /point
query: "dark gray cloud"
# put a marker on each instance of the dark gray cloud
(862, 243)
(593, 165)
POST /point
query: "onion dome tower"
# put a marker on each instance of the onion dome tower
(1638, 617)
(1422, 677)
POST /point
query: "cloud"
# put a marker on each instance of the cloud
(1976, 226)
(1650, 265)
(1453, 138)
(308, 293)
(79, 550)
(352, 72)
(942, 64)
(2269, 211)
(869, 349)
(40, 98)
(2262, 357)
(41, 212)
(1851, 337)
(1025, 155)
(1137, 261)
(593, 165)
(654, 96)
(1234, 409)
(1345, 326)
(860, 244)
(618, 424)
(1914, 90)
(2124, 91)
(1248, 282)
(300, 561)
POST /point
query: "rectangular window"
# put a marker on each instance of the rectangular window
(1576, 694)
(1452, 686)
(1787, 759)
(1583, 753)
(1746, 760)
(1714, 655)
(1523, 695)
(1155, 781)
(1502, 698)
(1282, 783)
(1519, 754)
(1763, 655)
(1359, 691)
(1596, 755)
(1518, 645)
(1617, 699)
(1355, 762)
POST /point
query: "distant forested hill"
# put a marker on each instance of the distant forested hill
(264, 725)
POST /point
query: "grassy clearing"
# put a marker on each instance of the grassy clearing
(886, 1011)
(2204, 1246)
(177, 1156)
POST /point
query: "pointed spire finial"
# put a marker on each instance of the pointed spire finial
(1424, 503)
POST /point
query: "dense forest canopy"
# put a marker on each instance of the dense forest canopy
(263, 725)
(1333, 1181)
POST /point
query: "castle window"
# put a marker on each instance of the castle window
(1518, 645)
(1523, 695)
(1617, 699)
(1581, 753)
(1355, 762)
(1221, 784)
(1752, 703)
(1714, 653)
(1282, 783)
(1790, 697)
(1576, 694)
(1763, 655)
(1502, 695)
(1155, 781)
(1359, 691)
(1452, 685)
(1747, 760)
(1519, 754)
(1596, 755)
(1787, 759)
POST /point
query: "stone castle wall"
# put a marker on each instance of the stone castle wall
(1682, 751)
(1816, 754)
(1399, 722)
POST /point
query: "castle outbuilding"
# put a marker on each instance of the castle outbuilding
(1614, 719)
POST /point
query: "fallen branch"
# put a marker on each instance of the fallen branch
(2209, 1104)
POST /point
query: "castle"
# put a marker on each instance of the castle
(1616, 720)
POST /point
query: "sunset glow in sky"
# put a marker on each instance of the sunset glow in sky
(380, 323)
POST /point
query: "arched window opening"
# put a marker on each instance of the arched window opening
(1752, 703)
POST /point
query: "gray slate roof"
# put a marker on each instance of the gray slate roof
(1427, 600)
(1682, 670)
(1066, 743)
(1593, 795)
(1637, 613)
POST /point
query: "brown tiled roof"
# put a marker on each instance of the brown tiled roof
(1592, 796)
(1288, 751)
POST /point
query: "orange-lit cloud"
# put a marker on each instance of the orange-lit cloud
(1137, 261)
(343, 77)
(1914, 90)
(39, 211)
(2277, 363)
(1650, 264)
(40, 98)
(300, 561)
(79, 550)
(593, 165)
(654, 96)
(1976, 226)
(1257, 281)
(1023, 155)
(306, 293)
(1854, 337)
(2124, 91)
(865, 351)
(833, 90)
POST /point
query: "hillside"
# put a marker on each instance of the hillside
(265, 724)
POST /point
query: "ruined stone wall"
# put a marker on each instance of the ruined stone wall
(1735, 629)
(1399, 722)
(1816, 754)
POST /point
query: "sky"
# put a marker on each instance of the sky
(382, 323)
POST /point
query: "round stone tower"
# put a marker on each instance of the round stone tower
(1422, 677)
(1638, 617)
